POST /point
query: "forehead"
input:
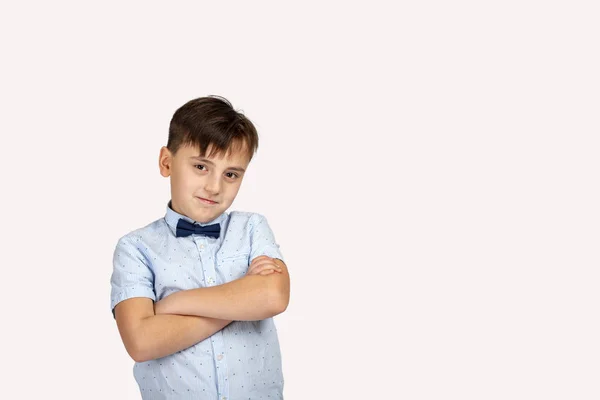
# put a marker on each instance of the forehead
(236, 154)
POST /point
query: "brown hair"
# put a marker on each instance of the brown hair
(211, 121)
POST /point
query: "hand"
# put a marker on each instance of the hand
(263, 265)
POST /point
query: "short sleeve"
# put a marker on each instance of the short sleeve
(263, 240)
(131, 276)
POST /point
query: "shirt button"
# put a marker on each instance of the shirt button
(201, 246)
(224, 398)
(220, 357)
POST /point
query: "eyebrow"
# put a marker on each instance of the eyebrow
(206, 160)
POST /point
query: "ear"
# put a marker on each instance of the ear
(165, 160)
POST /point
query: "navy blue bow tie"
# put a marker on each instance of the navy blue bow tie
(186, 228)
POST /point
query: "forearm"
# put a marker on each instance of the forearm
(162, 335)
(250, 298)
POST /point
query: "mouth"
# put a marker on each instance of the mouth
(206, 201)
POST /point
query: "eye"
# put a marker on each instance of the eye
(199, 165)
(232, 173)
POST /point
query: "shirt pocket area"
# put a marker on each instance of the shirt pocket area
(234, 267)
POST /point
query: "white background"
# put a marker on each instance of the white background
(430, 170)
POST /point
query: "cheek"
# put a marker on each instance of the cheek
(184, 182)
(233, 190)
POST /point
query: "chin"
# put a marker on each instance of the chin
(204, 218)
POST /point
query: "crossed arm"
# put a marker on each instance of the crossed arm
(251, 298)
(187, 317)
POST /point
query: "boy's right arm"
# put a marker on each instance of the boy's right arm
(147, 336)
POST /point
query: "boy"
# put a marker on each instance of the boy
(194, 293)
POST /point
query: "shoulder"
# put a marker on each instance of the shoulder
(245, 223)
(245, 218)
(252, 223)
(144, 234)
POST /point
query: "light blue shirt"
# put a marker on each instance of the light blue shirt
(241, 361)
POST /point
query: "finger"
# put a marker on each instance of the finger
(269, 266)
(269, 271)
(259, 258)
(269, 262)
(264, 267)
(256, 268)
(257, 262)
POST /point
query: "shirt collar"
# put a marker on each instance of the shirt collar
(172, 218)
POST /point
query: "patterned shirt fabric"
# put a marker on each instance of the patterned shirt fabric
(241, 361)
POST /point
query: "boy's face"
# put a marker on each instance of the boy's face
(194, 178)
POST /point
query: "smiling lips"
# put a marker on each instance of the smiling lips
(207, 201)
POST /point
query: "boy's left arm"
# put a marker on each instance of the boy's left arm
(250, 298)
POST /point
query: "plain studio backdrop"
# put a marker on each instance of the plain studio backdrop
(429, 169)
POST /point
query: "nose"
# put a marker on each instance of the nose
(213, 185)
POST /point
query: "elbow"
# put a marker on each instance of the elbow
(279, 301)
(138, 349)
(136, 358)
(279, 289)
(136, 352)
(132, 324)
(141, 359)
(140, 355)
(284, 300)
